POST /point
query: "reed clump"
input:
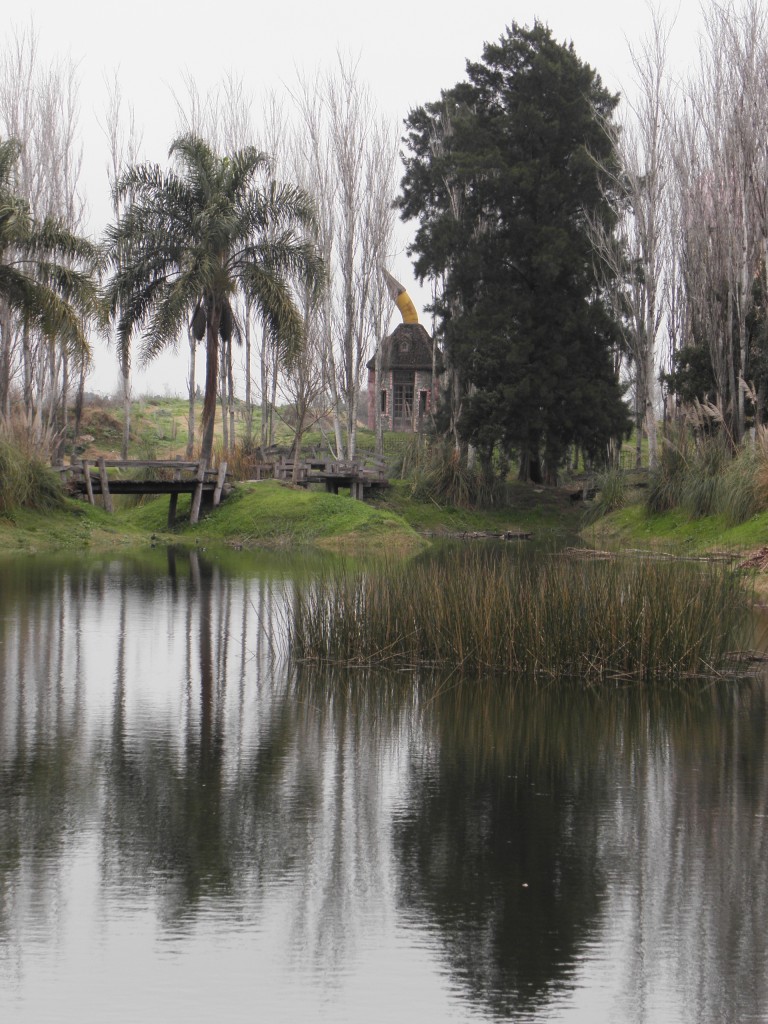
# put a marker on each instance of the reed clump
(544, 619)
(26, 481)
(704, 476)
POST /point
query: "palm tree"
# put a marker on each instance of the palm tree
(187, 242)
(46, 281)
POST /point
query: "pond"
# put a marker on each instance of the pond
(191, 830)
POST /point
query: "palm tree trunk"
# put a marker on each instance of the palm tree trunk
(231, 395)
(223, 395)
(248, 400)
(191, 385)
(211, 384)
(126, 412)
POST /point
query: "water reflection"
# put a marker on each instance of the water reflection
(357, 847)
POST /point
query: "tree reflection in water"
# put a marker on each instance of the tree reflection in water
(528, 841)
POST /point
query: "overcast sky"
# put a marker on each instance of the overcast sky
(406, 55)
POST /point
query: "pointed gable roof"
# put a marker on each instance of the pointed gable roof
(408, 347)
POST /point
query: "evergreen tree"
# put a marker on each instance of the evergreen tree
(504, 177)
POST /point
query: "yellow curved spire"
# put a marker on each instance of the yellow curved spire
(402, 299)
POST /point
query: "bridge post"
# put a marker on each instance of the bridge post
(219, 483)
(194, 514)
(105, 486)
(88, 484)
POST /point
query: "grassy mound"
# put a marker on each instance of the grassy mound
(273, 514)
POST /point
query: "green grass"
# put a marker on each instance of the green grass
(542, 511)
(675, 531)
(274, 514)
(74, 526)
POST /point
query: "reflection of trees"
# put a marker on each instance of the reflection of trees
(524, 826)
(539, 823)
(43, 787)
(498, 842)
(695, 895)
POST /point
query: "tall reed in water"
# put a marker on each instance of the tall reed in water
(545, 619)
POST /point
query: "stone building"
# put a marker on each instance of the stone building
(408, 391)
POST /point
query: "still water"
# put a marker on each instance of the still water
(191, 832)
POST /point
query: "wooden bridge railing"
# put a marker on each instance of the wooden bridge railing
(359, 476)
(192, 478)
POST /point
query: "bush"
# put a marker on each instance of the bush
(611, 495)
(442, 475)
(26, 481)
(705, 477)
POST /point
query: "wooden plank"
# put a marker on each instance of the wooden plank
(190, 467)
(219, 484)
(88, 484)
(105, 486)
(172, 503)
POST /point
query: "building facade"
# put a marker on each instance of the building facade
(408, 389)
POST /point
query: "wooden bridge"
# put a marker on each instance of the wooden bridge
(172, 477)
(91, 478)
(359, 477)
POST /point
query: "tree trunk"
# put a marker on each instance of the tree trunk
(231, 396)
(211, 384)
(264, 378)
(248, 399)
(78, 409)
(126, 381)
(379, 421)
(223, 396)
(191, 386)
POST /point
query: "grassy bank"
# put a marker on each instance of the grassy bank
(269, 515)
(676, 531)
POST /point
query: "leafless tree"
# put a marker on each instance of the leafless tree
(351, 154)
(39, 106)
(124, 141)
(636, 255)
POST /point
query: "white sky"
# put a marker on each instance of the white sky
(406, 55)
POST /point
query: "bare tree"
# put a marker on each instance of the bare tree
(39, 107)
(716, 157)
(124, 141)
(636, 255)
(351, 160)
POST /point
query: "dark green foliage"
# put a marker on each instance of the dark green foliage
(503, 176)
(692, 377)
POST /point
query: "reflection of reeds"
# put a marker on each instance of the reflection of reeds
(541, 619)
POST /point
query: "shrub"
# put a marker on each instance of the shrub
(611, 495)
(442, 475)
(705, 477)
(26, 481)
